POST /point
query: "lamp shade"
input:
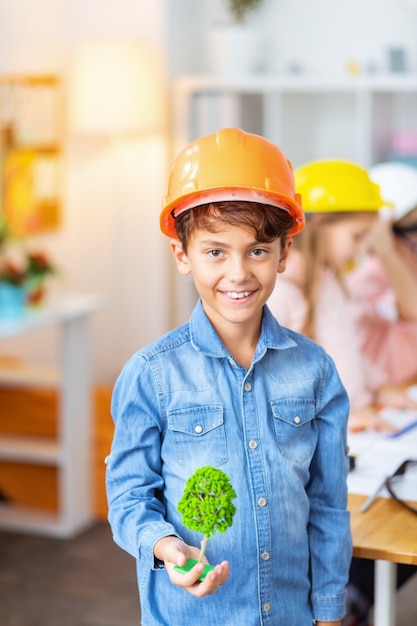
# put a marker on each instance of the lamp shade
(116, 87)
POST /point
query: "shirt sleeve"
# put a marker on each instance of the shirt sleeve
(329, 523)
(133, 472)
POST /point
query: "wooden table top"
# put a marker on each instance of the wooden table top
(386, 531)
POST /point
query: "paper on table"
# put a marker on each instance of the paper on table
(378, 456)
(399, 418)
(412, 392)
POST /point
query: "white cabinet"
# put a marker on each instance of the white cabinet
(308, 117)
(71, 451)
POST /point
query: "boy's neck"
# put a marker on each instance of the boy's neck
(243, 355)
(241, 344)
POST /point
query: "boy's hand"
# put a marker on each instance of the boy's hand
(172, 551)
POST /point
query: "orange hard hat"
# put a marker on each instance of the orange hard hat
(234, 165)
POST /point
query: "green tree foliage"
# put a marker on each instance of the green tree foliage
(206, 505)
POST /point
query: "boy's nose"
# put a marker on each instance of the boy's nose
(237, 270)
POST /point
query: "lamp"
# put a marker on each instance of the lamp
(116, 89)
(117, 114)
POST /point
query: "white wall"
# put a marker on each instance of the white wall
(320, 35)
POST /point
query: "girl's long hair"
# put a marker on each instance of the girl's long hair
(309, 243)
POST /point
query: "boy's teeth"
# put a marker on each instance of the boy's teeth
(238, 294)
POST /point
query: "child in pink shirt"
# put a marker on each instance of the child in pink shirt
(383, 285)
(341, 205)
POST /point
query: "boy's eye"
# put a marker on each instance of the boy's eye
(215, 253)
(258, 252)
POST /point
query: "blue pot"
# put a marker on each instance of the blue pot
(12, 301)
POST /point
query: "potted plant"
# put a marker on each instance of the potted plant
(22, 274)
(234, 45)
(240, 9)
(206, 507)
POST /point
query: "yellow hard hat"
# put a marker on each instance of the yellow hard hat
(230, 164)
(336, 186)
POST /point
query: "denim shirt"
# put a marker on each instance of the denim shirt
(278, 430)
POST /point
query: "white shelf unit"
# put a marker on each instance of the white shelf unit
(71, 451)
(309, 117)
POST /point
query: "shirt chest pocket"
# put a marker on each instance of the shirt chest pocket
(197, 436)
(294, 423)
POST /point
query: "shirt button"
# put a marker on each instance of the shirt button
(265, 556)
(297, 419)
(253, 444)
(248, 387)
(267, 607)
(198, 430)
(262, 501)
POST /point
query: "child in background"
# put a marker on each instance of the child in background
(233, 389)
(383, 298)
(341, 205)
(383, 285)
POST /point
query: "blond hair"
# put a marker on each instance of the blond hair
(309, 244)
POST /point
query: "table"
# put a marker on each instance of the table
(71, 451)
(386, 532)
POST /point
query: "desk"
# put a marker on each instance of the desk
(386, 532)
(71, 452)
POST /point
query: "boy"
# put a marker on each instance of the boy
(234, 390)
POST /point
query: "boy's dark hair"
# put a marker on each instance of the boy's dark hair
(268, 222)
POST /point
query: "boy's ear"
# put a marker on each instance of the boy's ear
(180, 257)
(284, 255)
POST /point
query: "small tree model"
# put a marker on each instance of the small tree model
(206, 507)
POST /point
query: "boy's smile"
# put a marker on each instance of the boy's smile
(234, 275)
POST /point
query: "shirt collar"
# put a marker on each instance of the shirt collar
(205, 339)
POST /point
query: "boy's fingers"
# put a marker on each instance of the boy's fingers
(214, 579)
(190, 580)
(187, 579)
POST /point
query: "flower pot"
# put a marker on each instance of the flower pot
(234, 50)
(12, 301)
